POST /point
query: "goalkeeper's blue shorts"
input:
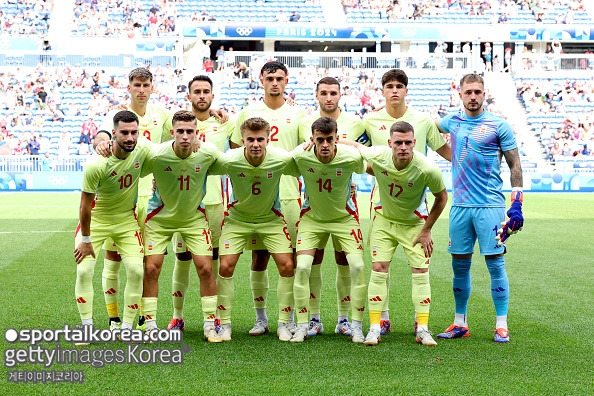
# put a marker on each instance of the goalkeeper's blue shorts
(469, 224)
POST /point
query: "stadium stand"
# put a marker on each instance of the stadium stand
(560, 111)
(148, 18)
(464, 11)
(25, 18)
(83, 93)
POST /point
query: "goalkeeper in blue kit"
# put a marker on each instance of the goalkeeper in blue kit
(479, 138)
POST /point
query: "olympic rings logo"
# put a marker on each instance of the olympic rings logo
(244, 31)
(58, 180)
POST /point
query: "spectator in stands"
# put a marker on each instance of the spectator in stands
(47, 163)
(557, 51)
(43, 143)
(241, 70)
(63, 145)
(254, 83)
(206, 51)
(466, 48)
(18, 149)
(85, 138)
(113, 82)
(33, 146)
(57, 113)
(586, 151)
(503, 18)
(295, 17)
(488, 55)
(566, 151)
(208, 65)
(41, 97)
(555, 152)
(281, 17)
(221, 58)
(507, 59)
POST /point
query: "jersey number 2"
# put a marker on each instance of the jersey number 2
(273, 133)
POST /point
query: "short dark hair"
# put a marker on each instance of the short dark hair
(325, 125)
(401, 126)
(183, 115)
(395, 74)
(141, 73)
(470, 78)
(328, 81)
(255, 124)
(273, 66)
(199, 78)
(124, 116)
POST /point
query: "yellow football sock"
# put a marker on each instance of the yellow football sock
(110, 281)
(225, 298)
(209, 307)
(343, 289)
(259, 284)
(301, 287)
(315, 289)
(377, 294)
(421, 296)
(179, 286)
(133, 290)
(358, 285)
(285, 298)
(83, 289)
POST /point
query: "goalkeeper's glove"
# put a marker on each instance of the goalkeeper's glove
(516, 219)
(503, 233)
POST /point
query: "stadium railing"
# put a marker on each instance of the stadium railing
(370, 60)
(35, 163)
(59, 59)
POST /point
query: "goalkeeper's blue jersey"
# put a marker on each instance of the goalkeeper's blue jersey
(477, 147)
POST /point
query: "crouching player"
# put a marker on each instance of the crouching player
(329, 210)
(108, 196)
(176, 206)
(254, 211)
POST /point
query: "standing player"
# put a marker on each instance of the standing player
(349, 127)
(176, 206)
(403, 176)
(254, 209)
(284, 121)
(109, 190)
(479, 138)
(154, 125)
(377, 127)
(329, 210)
(200, 95)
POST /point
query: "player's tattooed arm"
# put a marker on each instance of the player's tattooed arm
(512, 157)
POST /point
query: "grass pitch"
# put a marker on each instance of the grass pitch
(549, 265)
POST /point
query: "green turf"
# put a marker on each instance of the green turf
(549, 265)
